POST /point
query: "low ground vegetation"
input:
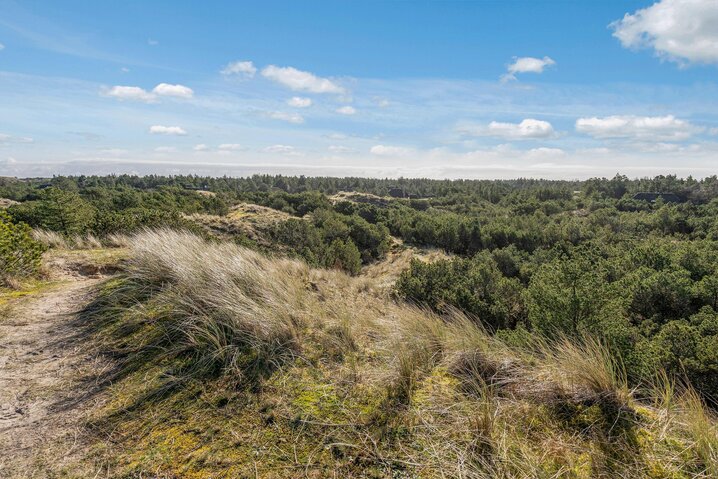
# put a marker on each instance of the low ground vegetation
(20, 253)
(233, 364)
(543, 329)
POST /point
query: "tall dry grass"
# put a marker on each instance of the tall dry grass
(224, 305)
(457, 402)
(701, 427)
(50, 239)
(53, 239)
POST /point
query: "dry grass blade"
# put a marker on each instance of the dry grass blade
(229, 306)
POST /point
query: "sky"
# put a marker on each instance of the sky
(440, 89)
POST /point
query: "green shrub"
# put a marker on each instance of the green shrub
(333, 240)
(344, 255)
(19, 253)
(133, 219)
(475, 286)
(56, 210)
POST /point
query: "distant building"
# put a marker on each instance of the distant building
(652, 197)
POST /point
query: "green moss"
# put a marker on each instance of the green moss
(28, 288)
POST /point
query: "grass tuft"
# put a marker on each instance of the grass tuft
(262, 367)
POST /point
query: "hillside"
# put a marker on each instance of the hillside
(229, 364)
(471, 330)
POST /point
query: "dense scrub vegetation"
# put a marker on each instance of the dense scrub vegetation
(233, 364)
(531, 257)
(19, 252)
(102, 211)
(333, 240)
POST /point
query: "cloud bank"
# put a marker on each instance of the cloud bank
(682, 31)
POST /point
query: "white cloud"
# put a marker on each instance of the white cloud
(230, 146)
(284, 116)
(299, 102)
(167, 130)
(165, 149)
(178, 91)
(544, 152)
(713, 131)
(6, 139)
(382, 102)
(152, 42)
(653, 128)
(657, 147)
(528, 128)
(384, 150)
(283, 149)
(299, 80)
(125, 70)
(241, 68)
(527, 65)
(2, 47)
(201, 147)
(336, 136)
(113, 152)
(340, 149)
(136, 93)
(131, 93)
(683, 31)
(346, 110)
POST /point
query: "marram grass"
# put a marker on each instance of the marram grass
(232, 364)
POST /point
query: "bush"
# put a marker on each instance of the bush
(333, 240)
(475, 286)
(565, 296)
(56, 210)
(133, 219)
(690, 349)
(344, 255)
(19, 252)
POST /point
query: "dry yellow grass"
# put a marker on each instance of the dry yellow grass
(53, 239)
(359, 197)
(6, 202)
(245, 219)
(319, 376)
(383, 274)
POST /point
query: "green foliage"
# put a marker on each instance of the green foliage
(652, 301)
(536, 256)
(344, 254)
(19, 253)
(565, 295)
(476, 286)
(302, 238)
(333, 240)
(298, 204)
(56, 210)
(100, 210)
(129, 220)
(688, 348)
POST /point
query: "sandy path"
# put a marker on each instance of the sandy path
(43, 364)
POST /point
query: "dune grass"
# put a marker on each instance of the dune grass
(53, 239)
(231, 364)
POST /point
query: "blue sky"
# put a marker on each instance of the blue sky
(437, 89)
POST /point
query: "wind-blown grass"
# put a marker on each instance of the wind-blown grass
(53, 239)
(224, 306)
(356, 385)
